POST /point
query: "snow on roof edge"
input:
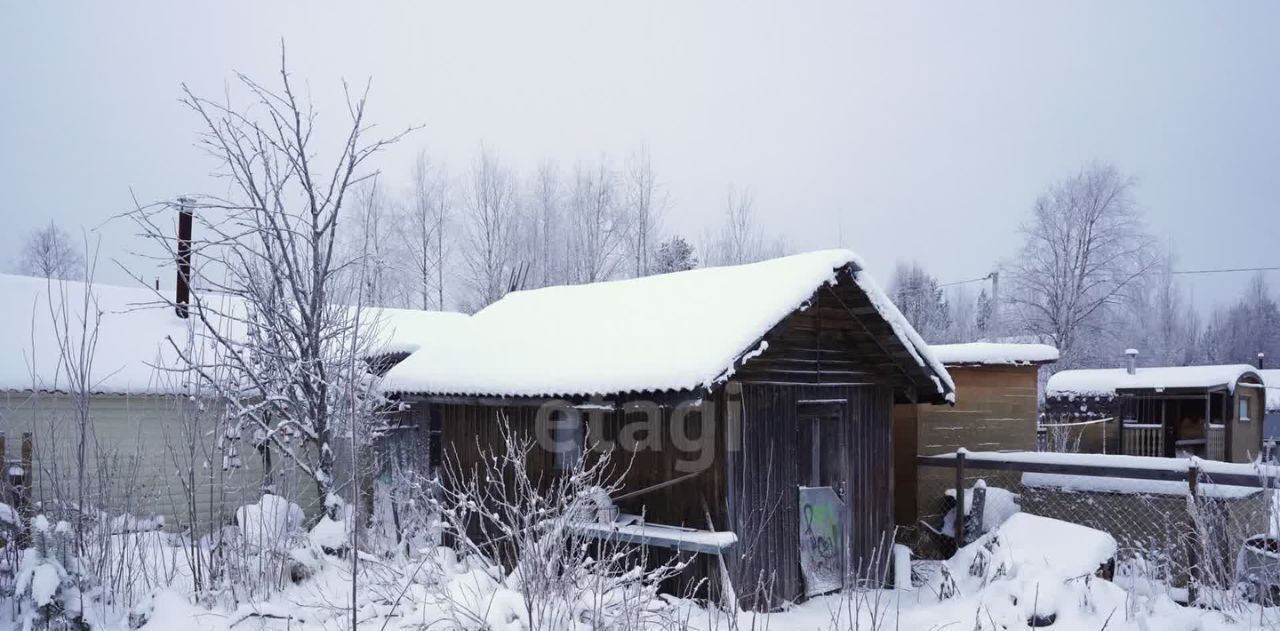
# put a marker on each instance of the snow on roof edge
(1106, 382)
(994, 354)
(498, 375)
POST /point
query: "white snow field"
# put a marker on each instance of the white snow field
(1030, 569)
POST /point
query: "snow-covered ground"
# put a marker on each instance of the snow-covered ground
(1029, 571)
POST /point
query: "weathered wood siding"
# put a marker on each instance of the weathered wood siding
(825, 354)
(766, 472)
(836, 352)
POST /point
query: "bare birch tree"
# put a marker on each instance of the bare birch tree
(598, 229)
(491, 222)
(1083, 249)
(426, 222)
(739, 239)
(272, 273)
(378, 252)
(646, 203)
(49, 253)
(547, 238)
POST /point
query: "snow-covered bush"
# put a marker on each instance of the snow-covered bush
(539, 570)
(269, 524)
(49, 583)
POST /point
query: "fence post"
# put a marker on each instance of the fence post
(960, 514)
(1193, 545)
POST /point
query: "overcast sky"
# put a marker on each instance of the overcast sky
(902, 132)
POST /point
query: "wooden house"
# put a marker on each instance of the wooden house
(786, 371)
(997, 399)
(1213, 412)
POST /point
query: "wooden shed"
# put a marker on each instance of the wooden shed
(786, 371)
(997, 399)
(1214, 412)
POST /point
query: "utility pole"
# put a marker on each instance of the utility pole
(993, 324)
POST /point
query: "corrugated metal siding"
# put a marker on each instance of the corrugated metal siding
(139, 458)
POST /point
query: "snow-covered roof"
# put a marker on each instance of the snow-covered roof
(1271, 378)
(994, 353)
(672, 332)
(132, 352)
(1107, 381)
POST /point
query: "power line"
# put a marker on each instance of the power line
(1226, 270)
(965, 282)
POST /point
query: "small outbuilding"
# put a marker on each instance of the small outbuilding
(997, 398)
(1213, 412)
(107, 355)
(773, 384)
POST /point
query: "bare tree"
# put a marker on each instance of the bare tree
(1161, 321)
(740, 239)
(1236, 334)
(1083, 249)
(492, 218)
(274, 275)
(917, 294)
(426, 223)
(598, 229)
(48, 253)
(380, 263)
(646, 203)
(546, 234)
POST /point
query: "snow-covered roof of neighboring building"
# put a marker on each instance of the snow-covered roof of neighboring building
(1107, 381)
(672, 332)
(994, 353)
(130, 329)
(1271, 378)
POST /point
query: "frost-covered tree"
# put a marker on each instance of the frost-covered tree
(983, 311)
(1236, 334)
(1160, 321)
(598, 229)
(283, 347)
(424, 232)
(739, 238)
(492, 219)
(917, 295)
(645, 203)
(49, 253)
(1083, 251)
(674, 255)
(544, 235)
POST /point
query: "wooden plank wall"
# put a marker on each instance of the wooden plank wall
(766, 472)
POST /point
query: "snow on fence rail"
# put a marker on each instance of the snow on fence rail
(1180, 522)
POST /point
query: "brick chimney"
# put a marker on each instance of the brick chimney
(182, 289)
(1131, 361)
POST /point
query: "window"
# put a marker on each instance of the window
(569, 436)
(820, 452)
(1244, 408)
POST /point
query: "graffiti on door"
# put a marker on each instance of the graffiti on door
(822, 526)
